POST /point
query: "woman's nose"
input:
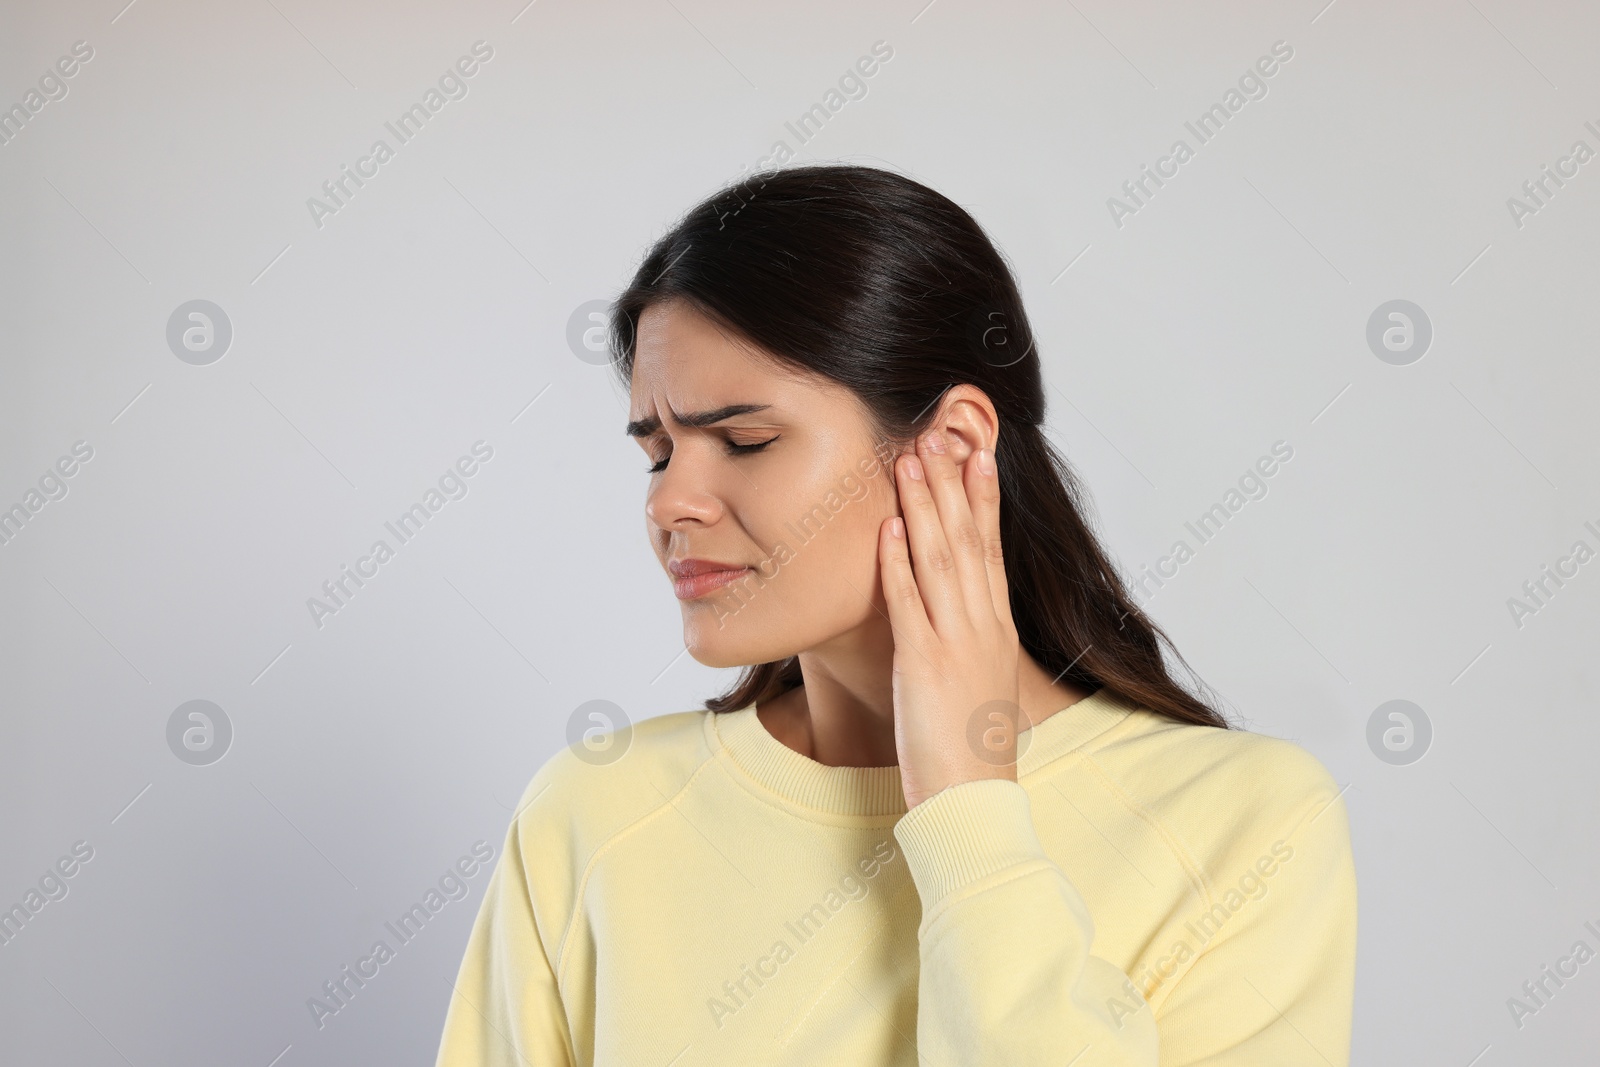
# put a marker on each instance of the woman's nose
(681, 496)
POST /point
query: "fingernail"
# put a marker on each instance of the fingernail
(985, 461)
(936, 442)
(897, 527)
(914, 467)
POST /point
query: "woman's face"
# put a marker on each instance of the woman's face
(791, 491)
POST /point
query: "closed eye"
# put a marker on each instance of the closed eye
(734, 449)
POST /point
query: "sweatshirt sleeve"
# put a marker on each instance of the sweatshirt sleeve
(1275, 984)
(1006, 973)
(506, 1009)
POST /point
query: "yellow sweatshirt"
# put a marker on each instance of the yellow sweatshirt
(1148, 893)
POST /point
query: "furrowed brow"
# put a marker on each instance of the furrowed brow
(695, 419)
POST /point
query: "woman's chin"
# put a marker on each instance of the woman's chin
(712, 646)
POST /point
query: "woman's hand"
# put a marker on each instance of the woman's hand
(955, 645)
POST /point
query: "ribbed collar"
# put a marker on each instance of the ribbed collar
(877, 790)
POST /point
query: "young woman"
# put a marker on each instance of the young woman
(956, 811)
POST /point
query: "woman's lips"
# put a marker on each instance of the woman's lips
(697, 585)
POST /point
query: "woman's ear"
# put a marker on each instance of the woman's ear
(968, 422)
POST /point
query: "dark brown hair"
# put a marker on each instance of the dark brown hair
(880, 283)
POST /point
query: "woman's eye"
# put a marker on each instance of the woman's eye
(734, 448)
(744, 450)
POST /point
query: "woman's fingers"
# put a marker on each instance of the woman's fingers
(929, 552)
(965, 571)
(983, 488)
(908, 616)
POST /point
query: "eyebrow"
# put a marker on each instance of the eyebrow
(697, 419)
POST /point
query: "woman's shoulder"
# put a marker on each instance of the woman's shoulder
(1211, 755)
(605, 778)
(585, 796)
(1212, 787)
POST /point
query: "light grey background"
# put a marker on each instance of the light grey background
(432, 311)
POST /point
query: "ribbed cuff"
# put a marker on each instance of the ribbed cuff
(967, 832)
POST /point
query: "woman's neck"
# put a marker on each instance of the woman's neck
(839, 724)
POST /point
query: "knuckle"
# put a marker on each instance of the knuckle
(969, 537)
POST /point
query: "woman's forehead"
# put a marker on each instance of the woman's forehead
(672, 333)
